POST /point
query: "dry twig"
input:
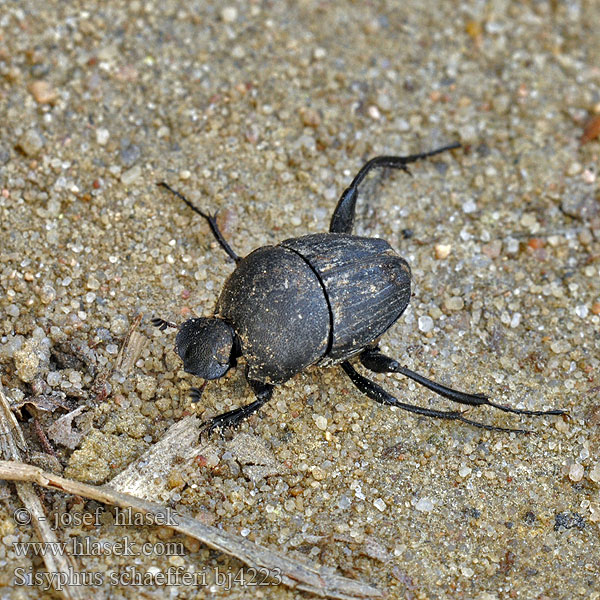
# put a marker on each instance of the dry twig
(290, 572)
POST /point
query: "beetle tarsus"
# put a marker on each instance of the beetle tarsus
(162, 324)
(373, 360)
(211, 219)
(377, 393)
(522, 411)
(343, 215)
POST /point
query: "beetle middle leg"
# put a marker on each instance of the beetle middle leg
(211, 219)
(377, 362)
(233, 418)
(343, 215)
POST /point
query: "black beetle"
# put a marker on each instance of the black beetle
(319, 299)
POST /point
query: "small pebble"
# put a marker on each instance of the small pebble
(595, 473)
(560, 346)
(529, 222)
(42, 92)
(511, 245)
(129, 176)
(515, 320)
(31, 142)
(129, 154)
(588, 176)
(344, 502)
(75, 378)
(384, 102)
(229, 14)
(318, 473)
(468, 134)
(424, 505)
(379, 504)
(493, 249)
(320, 422)
(102, 136)
(374, 112)
(442, 251)
(12, 310)
(92, 283)
(454, 303)
(464, 471)
(53, 378)
(425, 324)
(119, 324)
(576, 472)
(310, 117)
(27, 362)
(469, 207)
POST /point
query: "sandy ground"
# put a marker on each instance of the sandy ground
(265, 111)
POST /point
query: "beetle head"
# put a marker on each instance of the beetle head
(205, 345)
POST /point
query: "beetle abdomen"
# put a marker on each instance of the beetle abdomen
(277, 307)
(367, 285)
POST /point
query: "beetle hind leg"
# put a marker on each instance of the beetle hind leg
(377, 393)
(373, 360)
(343, 215)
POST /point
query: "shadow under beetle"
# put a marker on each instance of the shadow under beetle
(319, 299)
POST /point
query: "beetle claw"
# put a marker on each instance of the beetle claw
(223, 423)
(208, 427)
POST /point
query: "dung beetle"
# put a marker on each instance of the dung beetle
(319, 299)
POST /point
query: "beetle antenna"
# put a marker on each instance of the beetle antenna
(162, 324)
(211, 219)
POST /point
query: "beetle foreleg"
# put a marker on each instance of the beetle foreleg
(233, 418)
(377, 393)
(343, 215)
(373, 360)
